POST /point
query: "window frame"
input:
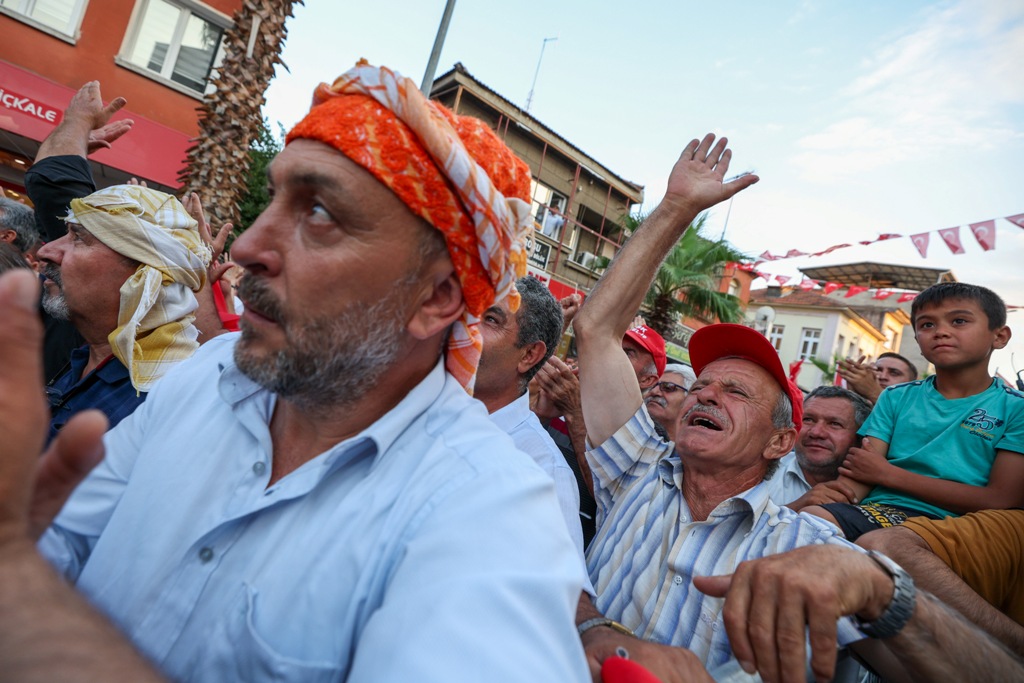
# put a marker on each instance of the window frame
(187, 9)
(73, 25)
(775, 335)
(809, 344)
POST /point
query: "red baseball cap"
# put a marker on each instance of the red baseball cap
(652, 342)
(726, 340)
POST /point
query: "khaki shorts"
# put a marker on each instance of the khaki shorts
(986, 550)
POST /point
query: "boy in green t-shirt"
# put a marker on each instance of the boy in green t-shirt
(946, 445)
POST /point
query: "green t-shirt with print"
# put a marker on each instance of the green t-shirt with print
(954, 439)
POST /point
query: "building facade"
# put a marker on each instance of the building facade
(806, 325)
(577, 202)
(157, 54)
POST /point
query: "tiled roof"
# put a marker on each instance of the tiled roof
(796, 297)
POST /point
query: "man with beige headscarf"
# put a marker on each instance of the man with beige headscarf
(125, 276)
(319, 498)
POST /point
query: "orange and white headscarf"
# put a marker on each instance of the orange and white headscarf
(154, 322)
(450, 170)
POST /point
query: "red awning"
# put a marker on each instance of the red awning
(32, 106)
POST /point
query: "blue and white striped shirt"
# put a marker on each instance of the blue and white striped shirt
(648, 547)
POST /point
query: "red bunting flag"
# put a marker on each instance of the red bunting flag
(920, 241)
(807, 285)
(832, 286)
(855, 290)
(793, 253)
(888, 236)
(883, 294)
(768, 256)
(951, 236)
(794, 369)
(830, 249)
(1017, 220)
(906, 296)
(985, 233)
(782, 279)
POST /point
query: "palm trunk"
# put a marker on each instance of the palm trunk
(230, 116)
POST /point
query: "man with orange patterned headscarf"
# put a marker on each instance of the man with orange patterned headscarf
(319, 497)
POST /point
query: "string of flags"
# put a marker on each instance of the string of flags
(984, 232)
(828, 287)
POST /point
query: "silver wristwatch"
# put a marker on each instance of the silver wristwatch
(900, 609)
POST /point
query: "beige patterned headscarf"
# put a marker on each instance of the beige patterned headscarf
(154, 322)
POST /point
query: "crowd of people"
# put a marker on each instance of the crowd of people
(389, 474)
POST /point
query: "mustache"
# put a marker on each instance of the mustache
(256, 294)
(660, 400)
(707, 410)
(51, 271)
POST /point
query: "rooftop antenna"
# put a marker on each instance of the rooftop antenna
(529, 98)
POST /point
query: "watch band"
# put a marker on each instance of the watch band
(604, 621)
(901, 607)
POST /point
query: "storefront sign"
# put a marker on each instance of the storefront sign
(31, 106)
(26, 105)
(539, 253)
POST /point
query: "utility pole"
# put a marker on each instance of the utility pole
(529, 98)
(435, 53)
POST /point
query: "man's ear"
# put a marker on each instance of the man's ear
(7, 235)
(532, 354)
(439, 302)
(780, 443)
(648, 381)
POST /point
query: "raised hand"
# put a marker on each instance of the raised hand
(33, 489)
(570, 306)
(861, 378)
(87, 106)
(697, 181)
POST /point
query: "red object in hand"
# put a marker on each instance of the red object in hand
(621, 670)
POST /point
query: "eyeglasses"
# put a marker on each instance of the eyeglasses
(671, 387)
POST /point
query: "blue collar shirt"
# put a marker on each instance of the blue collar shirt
(108, 388)
(421, 549)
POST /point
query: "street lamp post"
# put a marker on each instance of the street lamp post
(435, 53)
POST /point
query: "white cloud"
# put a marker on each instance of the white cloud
(952, 82)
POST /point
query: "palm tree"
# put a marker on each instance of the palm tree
(687, 282)
(229, 116)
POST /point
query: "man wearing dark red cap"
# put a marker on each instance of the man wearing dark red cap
(669, 512)
(645, 349)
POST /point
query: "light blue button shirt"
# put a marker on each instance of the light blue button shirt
(421, 549)
(788, 482)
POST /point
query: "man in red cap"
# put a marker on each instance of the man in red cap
(670, 511)
(645, 350)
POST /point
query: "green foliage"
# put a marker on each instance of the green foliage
(686, 285)
(262, 150)
(828, 370)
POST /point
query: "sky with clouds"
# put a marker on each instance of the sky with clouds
(861, 118)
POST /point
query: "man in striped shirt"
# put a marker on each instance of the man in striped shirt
(657, 528)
